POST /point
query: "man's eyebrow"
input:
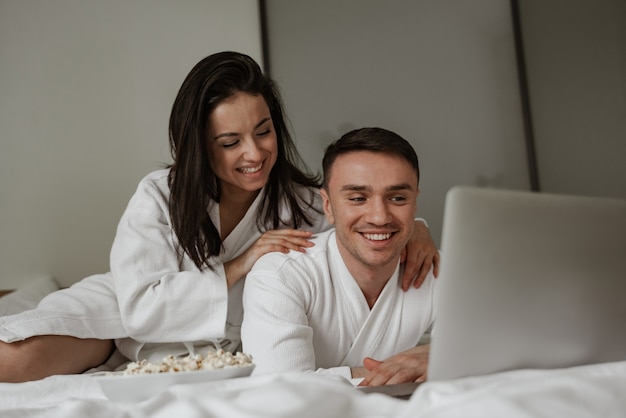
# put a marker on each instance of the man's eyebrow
(231, 134)
(401, 186)
(354, 188)
(361, 188)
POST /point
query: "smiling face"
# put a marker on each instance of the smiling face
(371, 200)
(242, 144)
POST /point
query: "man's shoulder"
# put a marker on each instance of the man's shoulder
(305, 263)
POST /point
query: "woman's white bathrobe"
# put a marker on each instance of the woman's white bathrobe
(306, 312)
(149, 296)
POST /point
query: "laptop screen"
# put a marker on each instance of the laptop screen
(528, 280)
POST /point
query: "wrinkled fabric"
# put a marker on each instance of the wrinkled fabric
(580, 392)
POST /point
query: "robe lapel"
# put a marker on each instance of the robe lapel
(378, 332)
(243, 235)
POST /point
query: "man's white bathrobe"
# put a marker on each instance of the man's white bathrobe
(305, 311)
(149, 296)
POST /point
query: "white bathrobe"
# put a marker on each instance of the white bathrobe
(149, 296)
(306, 312)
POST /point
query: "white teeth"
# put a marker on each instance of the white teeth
(248, 170)
(377, 237)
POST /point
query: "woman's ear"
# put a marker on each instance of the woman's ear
(328, 208)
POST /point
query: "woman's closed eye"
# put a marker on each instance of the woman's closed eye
(230, 144)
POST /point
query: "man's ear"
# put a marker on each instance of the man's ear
(328, 208)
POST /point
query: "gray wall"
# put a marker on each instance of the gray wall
(86, 90)
(440, 73)
(443, 74)
(576, 63)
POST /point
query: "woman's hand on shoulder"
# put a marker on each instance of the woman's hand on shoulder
(275, 240)
(420, 255)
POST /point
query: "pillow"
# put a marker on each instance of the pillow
(28, 296)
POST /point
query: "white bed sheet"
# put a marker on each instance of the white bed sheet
(584, 391)
(587, 391)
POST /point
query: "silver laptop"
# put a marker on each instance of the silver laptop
(528, 280)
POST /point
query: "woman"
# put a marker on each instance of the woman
(190, 233)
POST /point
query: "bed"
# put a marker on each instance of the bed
(597, 390)
(586, 391)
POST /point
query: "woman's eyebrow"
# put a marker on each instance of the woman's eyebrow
(231, 134)
(258, 125)
(225, 135)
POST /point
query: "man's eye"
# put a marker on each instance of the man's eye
(357, 199)
(398, 199)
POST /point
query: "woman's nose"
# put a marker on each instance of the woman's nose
(251, 149)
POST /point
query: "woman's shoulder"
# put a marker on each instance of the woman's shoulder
(157, 179)
(153, 187)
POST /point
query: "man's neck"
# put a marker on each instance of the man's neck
(371, 280)
(372, 287)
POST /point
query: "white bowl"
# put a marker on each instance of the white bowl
(138, 387)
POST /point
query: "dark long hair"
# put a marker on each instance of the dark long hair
(192, 181)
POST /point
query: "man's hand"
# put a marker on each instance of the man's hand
(408, 366)
(419, 255)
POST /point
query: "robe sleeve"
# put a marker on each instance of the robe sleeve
(275, 329)
(160, 300)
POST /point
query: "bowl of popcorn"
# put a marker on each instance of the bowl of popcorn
(142, 379)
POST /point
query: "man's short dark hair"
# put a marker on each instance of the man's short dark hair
(369, 139)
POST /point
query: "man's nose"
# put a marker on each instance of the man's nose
(378, 212)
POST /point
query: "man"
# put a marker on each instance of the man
(339, 306)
